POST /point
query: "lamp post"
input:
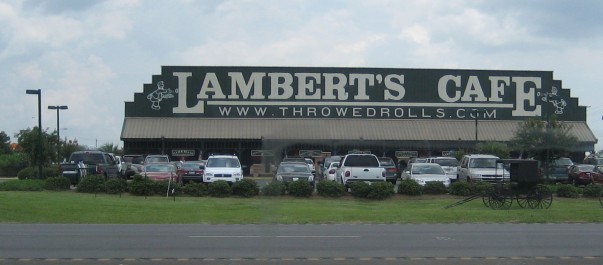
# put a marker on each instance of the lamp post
(476, 113)
(39, 93)
(58, 108)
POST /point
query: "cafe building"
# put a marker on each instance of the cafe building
(262, 114)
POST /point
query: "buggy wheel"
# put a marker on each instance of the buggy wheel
(540, 197)
(486, 199)
(499, 200)
(522, 200)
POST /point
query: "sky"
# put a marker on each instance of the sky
(94, 55)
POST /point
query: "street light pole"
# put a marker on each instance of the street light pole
(58, 108)
(476, 113)
(39, 93)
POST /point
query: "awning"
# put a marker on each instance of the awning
(330, 129)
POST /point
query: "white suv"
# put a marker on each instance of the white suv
(223, 167)
(481, 168)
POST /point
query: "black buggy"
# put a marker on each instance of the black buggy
(524, 186)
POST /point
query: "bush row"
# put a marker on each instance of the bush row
(248, 188)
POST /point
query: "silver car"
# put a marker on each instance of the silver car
(426, 172)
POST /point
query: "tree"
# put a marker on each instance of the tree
(493, 148)
(28, 143)
(4, 143)
(543, 141)
(110, 148)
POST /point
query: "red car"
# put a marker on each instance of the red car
(191, 171)
(582, 174)
(161, 171)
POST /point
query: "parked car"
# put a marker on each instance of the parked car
(423, 173)
(82, 163)
(223, 167)
(294, 171)
(598, 178)
(479, 167)
(132, 165)
(327, 161)
(191, 171)
(310, 163)
(331, 171)
(582, 174)
(360, 167)
(449, 164)
(559, 169)
(160, 171)
(391, 171)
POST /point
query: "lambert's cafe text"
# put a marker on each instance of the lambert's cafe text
(367, 93)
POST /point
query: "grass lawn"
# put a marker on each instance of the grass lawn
(72, 207)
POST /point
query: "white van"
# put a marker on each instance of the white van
(481, 168)
(223, 167)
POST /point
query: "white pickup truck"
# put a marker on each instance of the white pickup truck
(360, 167)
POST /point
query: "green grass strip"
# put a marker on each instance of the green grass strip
(83, 208)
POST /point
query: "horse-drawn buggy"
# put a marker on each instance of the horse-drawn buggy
(524, 185)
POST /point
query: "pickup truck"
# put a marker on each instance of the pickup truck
(82, 163)
(360, 167)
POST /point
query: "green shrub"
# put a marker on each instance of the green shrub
(28, 173)
(11, 164)
(22, 185)
(327, 188)
(434, 187)
(480, 187)
(591, 191)
(195, 189)
(32, 172)
(245, 188)
(57, 183)
(460, 188)
(568, 191)
(300, 188)
(360, 189)
(274, 188)
(116, 186)
(141, 186)
(219, 189)
(92, 184)
(409, 187)
(50, 171)
(381, 190)
(166, 187)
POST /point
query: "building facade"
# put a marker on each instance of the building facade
(264, 113)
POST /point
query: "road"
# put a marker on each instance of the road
(379, 243)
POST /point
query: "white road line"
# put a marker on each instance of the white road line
(252, 236)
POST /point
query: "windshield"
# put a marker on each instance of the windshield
(586, 168)
(563, 162)
(293, 169)
(157, 159)
(223, 162)
(386, 162)
(133, 159)
(191, 166)
(427, 169)
(445, 162)
(483, 163)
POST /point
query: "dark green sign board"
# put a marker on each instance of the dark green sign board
(363, 93)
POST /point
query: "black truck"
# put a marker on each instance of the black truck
(82, 163)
